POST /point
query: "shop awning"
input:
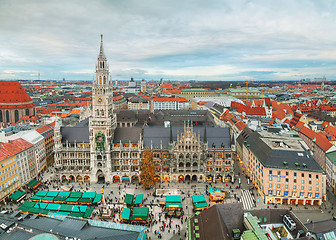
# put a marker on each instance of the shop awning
(41, 193)
(98, 198)
(52, 193)
(89, 195)
(201, 205)
(18, 195)
(213, 189)
(85, 200)
(66, 207)
(64, 194)
(71, 199)
(53, 206)
(88, 213)
(36, 198)
(198, 199)
(34, 183)
(128, 199)
(140, 213)
(76, 214)
(138, 199)
(126, 212)
(173, 198)
(79, 208)
(41, 205)
(76, 194)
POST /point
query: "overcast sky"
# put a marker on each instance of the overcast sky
(177, 40)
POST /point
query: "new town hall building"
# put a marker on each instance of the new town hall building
(103, 148)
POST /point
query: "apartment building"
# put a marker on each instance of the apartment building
(283, 169)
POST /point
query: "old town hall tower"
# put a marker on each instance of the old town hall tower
(102, 123)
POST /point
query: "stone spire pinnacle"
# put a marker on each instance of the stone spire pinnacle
(101, 52)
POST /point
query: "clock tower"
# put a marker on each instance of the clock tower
(102, 123)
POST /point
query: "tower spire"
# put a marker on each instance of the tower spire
(101, 52)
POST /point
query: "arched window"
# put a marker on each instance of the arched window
(195, 156)
(181, 156)
(1, 120)
(7, 116)
(181, 164)
(27, 112)
(188, 164)
(195, 164)
(188, 156)
(16, 115)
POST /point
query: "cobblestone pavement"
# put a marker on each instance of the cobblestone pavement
(116, 192)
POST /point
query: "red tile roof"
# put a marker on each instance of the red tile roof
(13, 147)
(157, 99)
(12, 95)
(318, 138)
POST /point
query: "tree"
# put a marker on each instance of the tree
(147, 170)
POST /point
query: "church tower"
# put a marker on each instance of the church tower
(103, 121)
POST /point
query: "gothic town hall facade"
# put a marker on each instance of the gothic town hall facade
(102, 148)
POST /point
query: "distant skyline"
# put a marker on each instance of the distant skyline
(173, 40)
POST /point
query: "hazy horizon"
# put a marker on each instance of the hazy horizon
(211, 40)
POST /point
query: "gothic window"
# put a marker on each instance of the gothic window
(97, 112)
(195, 156)
(102, 112)
(104, 79)
(1, 116)
(27, 112)
(100, 141)
(181, 156)
(99, 164)
(7, 116)
(181, 165)
(16, 115)
(195, 164)
(188, 164)
(188, 156)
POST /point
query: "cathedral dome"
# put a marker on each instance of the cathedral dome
(12, 95)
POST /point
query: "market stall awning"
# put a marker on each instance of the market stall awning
(85, 200)
(213, 189)
(79, 208)
(138, 199)
(64, 194)
(76, 214)
(18, 195)
(128, 199)
(34, 183)
(201, 205)
(66, 207)
(88, 213)
(89, 195)
(71, 199)
(53, 206)
(52, 193)
(76, 194)
(36, 198)
(198, 199)
(140, 213)
(126, 212)
(41, 193)
(173, 198)
(98, 198)
(41, 205)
